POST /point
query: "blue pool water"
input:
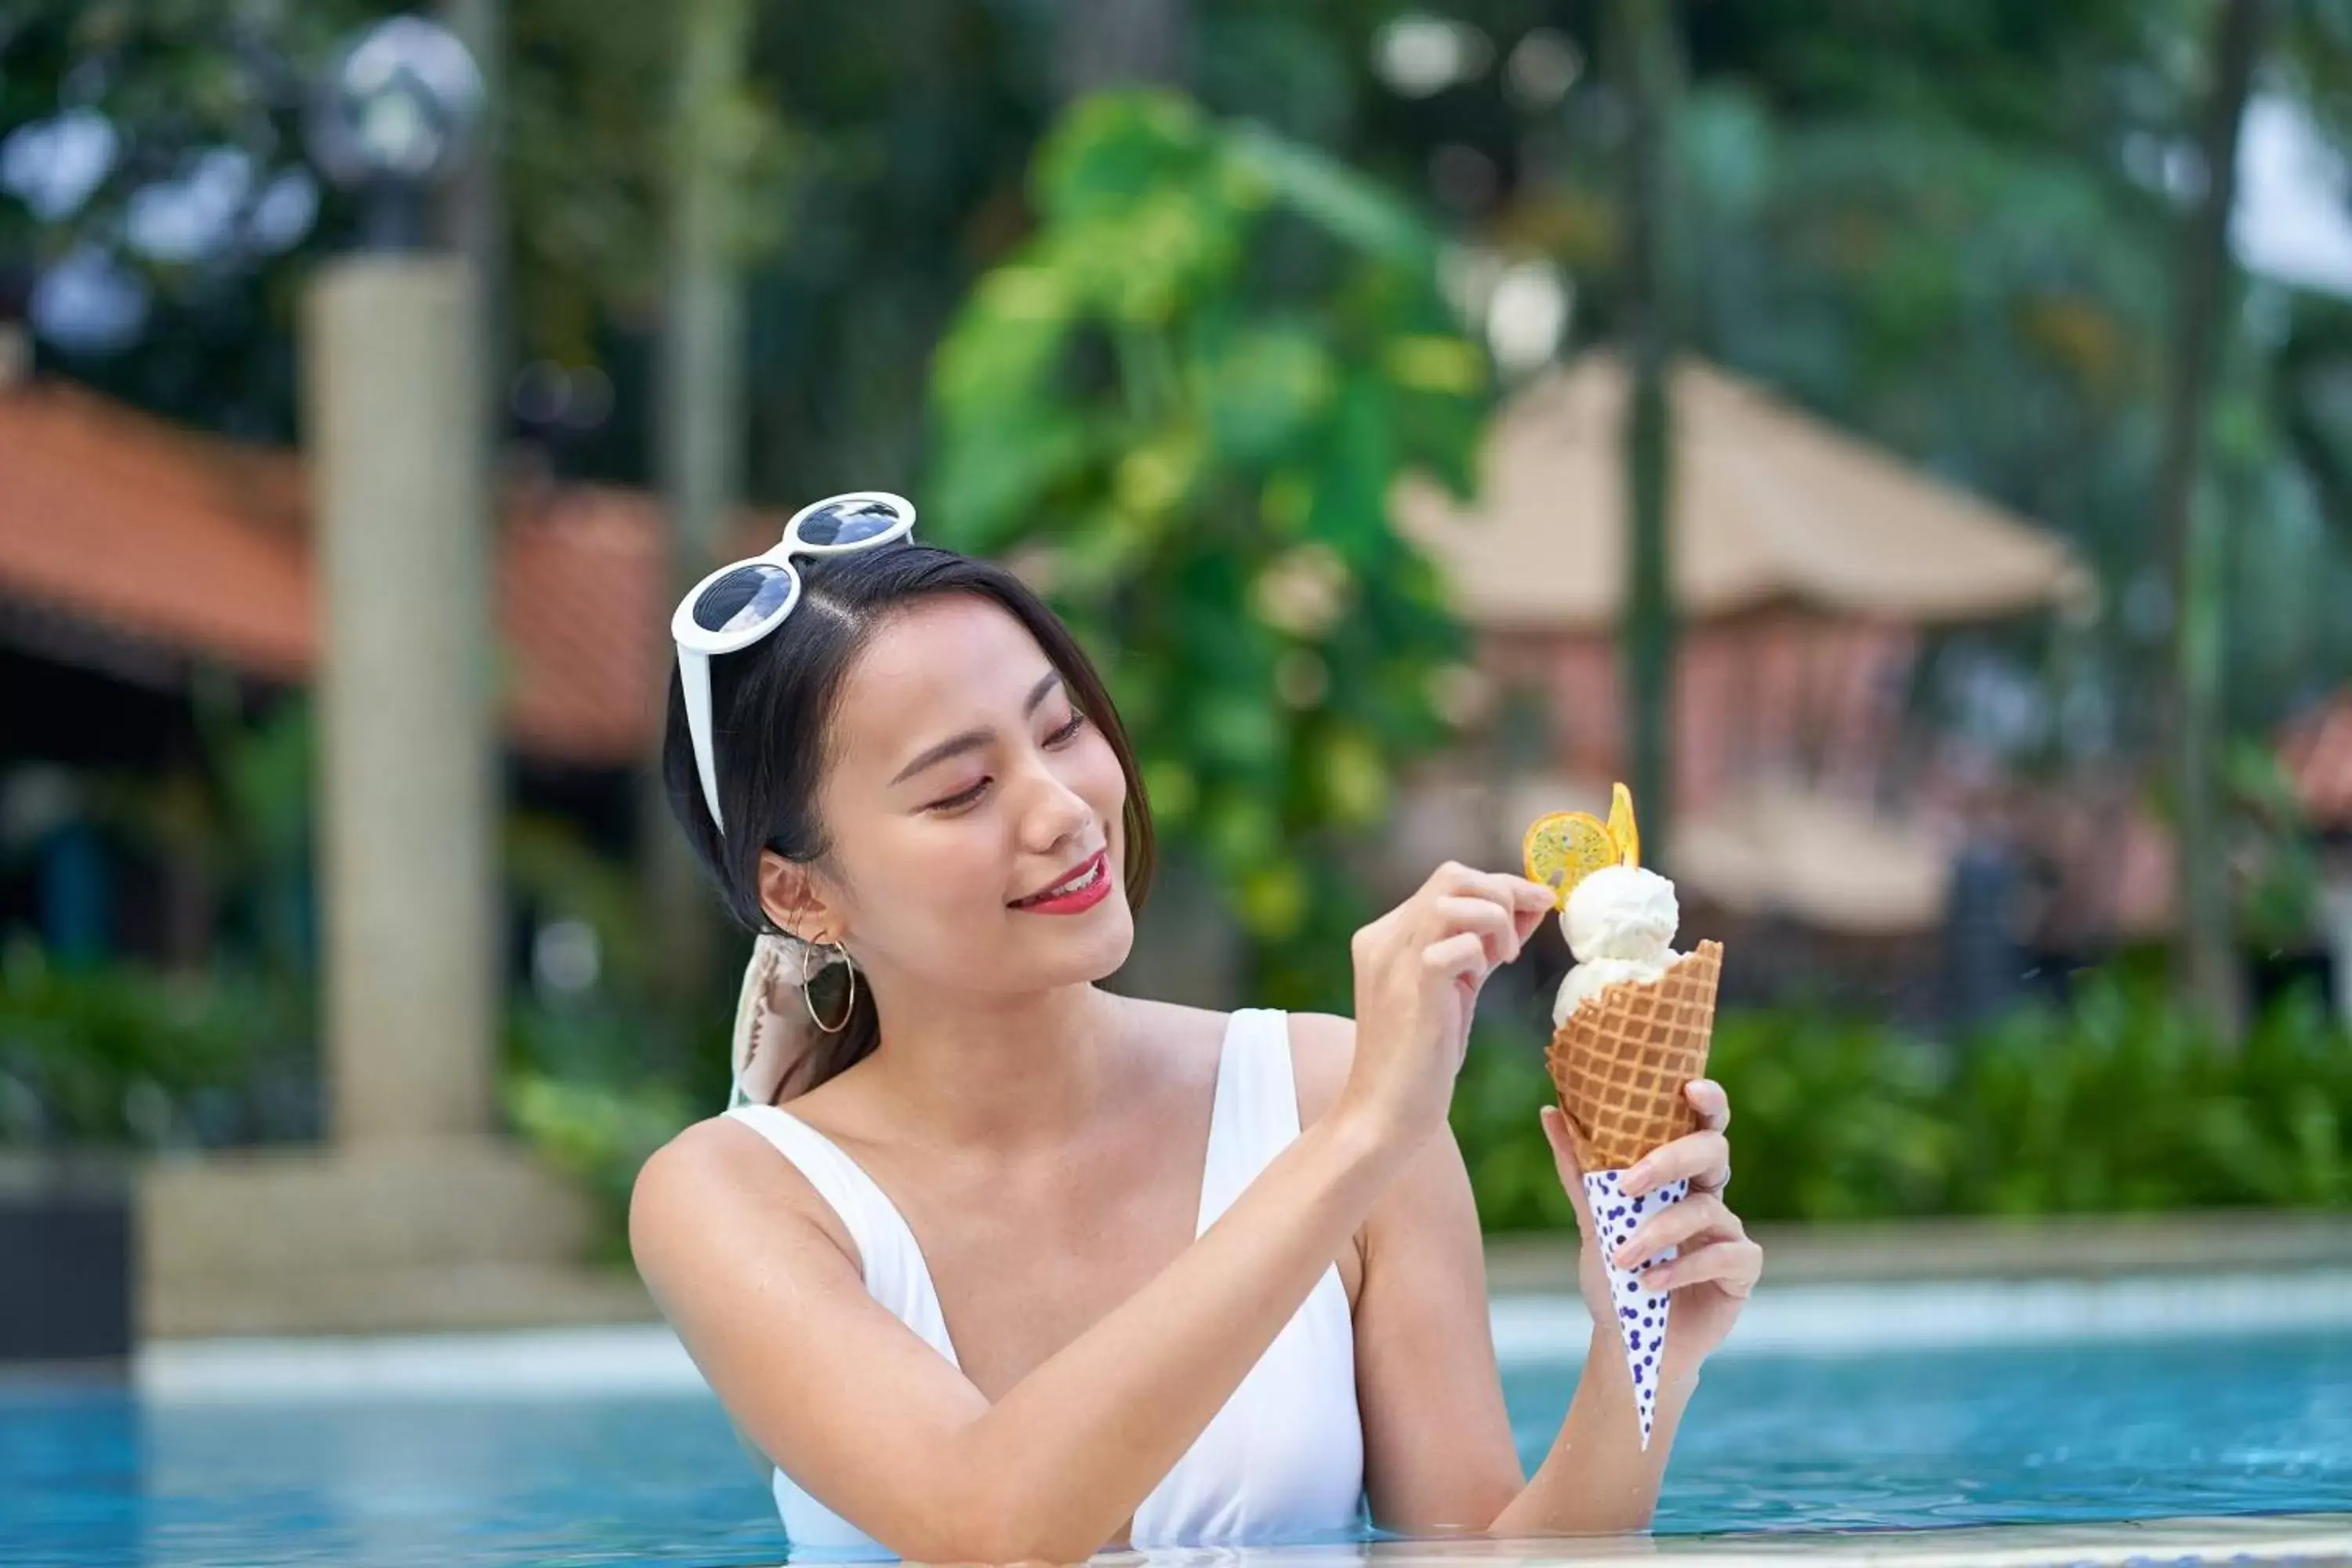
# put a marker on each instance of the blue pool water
(92, 1478)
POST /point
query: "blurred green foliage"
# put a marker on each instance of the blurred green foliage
(1996, 309)
(123, 1054)
(597, 1132)
(598, 1078)
(219, 1051)
(2116, 1102)
(2275, 852)
(116, 1056)
(1180, 405)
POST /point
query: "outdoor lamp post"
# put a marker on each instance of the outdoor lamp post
(413, 1215)
(407, 760)
(395, 114)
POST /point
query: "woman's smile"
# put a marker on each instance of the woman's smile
(1080, 890)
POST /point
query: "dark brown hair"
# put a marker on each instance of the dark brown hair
(772, 708)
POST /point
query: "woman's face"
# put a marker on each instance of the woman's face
(974, 816)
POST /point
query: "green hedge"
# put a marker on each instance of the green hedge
(2116, 1101)
(115, 1056)
(580, 1085)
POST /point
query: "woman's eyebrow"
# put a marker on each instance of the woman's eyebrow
(973, 739)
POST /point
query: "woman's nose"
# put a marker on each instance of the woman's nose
(1056, 812)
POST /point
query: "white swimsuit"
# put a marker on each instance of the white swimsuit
(1284, 1460)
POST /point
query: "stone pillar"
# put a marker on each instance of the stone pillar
(412, 1217)
(407, 760)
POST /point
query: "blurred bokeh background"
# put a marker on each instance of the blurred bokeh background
(1910, 442)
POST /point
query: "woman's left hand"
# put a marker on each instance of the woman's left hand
(1716, 1266)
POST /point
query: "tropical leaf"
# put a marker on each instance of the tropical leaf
(1207, 454)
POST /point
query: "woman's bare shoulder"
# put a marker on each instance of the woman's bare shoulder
(718, 1168)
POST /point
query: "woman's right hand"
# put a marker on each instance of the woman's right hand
(1419, 969)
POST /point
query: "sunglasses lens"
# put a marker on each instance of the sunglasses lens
(833, 524)
(744, 597)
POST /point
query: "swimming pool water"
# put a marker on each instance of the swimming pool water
(91, 1477)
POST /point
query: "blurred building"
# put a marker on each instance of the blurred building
(138, 559)
(158, 610)
(1807, 568)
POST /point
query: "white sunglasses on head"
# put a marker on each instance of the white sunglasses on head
(737, 605)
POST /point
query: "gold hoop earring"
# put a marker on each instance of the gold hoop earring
(807, 950)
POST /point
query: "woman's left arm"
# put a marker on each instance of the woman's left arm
(1438, 1454)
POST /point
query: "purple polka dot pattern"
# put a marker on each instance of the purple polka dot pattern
(1641, 1311)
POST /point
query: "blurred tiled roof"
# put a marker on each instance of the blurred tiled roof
(1770, 506)
(581, 608)
(151, 531)
(2317, 752)
(183, 541)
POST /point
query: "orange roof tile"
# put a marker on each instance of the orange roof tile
(150, 531)
(583, 604)
(200, 545)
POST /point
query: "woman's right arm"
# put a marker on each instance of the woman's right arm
(874, 1421)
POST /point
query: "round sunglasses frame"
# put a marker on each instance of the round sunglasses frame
(697, 645)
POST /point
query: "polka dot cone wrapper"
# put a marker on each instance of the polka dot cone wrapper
(1641, 1311)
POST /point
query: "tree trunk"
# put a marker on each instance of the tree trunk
(1115, 43)
(2204, 969)
(701, 436)
(1642, 41)
(1188, 947)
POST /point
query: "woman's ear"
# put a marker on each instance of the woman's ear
(790, 897)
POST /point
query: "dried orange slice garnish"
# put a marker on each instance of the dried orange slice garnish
(1622, 829)
(1563, 848)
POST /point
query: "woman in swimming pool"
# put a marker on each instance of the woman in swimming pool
(1043, 1268)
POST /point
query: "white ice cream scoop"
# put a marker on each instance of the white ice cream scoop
(1621, 911)
(1619, 923)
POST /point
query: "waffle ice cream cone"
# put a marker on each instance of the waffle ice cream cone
(1620, 1060)
(1629, 1029)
